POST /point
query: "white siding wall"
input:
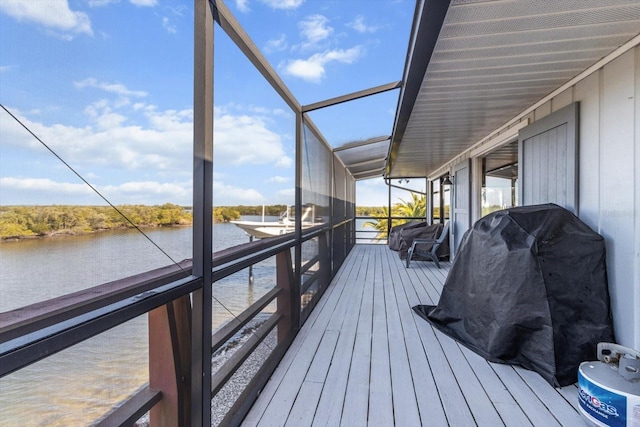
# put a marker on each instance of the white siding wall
(609, 180)
(609, 177)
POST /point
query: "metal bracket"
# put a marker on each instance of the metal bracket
(627, 359)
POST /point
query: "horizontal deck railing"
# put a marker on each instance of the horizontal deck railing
(34, 332)
(380, 236)
(23, 350)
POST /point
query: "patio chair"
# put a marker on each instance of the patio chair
(429, 253)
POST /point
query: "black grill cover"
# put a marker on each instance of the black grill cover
(528, 287)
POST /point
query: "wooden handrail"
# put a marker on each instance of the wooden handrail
(132, 409)
(29, 348)
(43, 314)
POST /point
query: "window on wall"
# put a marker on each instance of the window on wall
(440, 201)
(500, 179)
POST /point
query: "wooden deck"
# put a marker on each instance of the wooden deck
(364, 358)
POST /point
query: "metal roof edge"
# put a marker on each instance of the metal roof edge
(428, 20)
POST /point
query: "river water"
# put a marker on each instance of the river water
(81, 384)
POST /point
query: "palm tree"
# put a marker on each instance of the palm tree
(414, 208)
(380, 224)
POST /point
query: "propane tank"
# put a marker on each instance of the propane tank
(609, 389)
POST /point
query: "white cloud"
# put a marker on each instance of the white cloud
(282, 113)
(141, 3)
(313, 69)
(243, 5)
(284, 162)
(110, 120)
(144, 3)
(314, 29)
(163, 144)
(276, 44)
(54, 15)
(289, 193)
(279, 179)
(283, 4)
(232, 195)
(43, 191)
(148, 190)
(43, 185)
(167, 25)
(100, 3)
(359, 25)
(246, 139)
(5, 68)
(116, 88)
(371, 192)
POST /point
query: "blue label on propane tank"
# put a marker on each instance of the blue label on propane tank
(602, 405)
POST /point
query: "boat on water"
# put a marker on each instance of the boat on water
(285, 224)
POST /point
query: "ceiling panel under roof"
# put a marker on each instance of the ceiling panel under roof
(491, 61)
(364, 159)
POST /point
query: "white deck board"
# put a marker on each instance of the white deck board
(333, 396)
(404, 398)
(380, 398)
(364, 358)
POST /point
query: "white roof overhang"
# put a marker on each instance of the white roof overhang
(475, 64)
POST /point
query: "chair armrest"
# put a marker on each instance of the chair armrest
(421, 241)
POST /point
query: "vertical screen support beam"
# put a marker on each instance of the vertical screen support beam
(202, 208)
(297, 284)
(388, 208)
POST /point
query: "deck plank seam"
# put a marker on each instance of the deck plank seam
(409, 281)
(404, 330)
(418, 323)
(467, 353)
(457, 390)
(298, 345)
(350, 337)
(366, 309)
(399, 347)
(379, 337)
(540, 396)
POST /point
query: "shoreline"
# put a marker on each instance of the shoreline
(71, 233)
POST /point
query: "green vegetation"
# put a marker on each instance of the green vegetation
(271, 210)
(225, 214)
(486, 210)
(414, 208)
(18, 222)
(42, 221)
(436, 212)
(371, 211)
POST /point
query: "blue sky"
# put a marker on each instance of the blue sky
(107, 85)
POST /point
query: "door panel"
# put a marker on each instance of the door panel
(548, 160)
(461, 204)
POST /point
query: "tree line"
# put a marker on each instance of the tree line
(17, 222)
(42, 221)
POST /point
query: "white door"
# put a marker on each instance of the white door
(548, 160)
(461, 204)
